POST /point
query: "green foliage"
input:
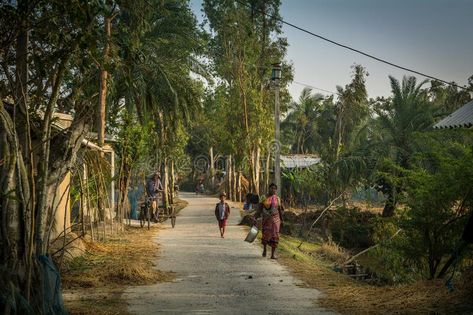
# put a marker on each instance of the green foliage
(352, 228)
(302, 186)
(300, 127)
(135, 139)
(439, 198)
(243, 43)
(395, 266)
(332, 129)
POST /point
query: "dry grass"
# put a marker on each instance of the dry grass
(94, 282)
(100, 276)
(332, 251)
(367, 206)
(349, 296)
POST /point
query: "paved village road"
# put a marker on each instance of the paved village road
(215, 275)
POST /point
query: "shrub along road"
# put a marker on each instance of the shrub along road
(215, 275)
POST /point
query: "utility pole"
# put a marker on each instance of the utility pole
(276, 77)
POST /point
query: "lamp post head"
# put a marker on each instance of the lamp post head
(276, 72)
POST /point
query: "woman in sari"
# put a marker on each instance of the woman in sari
(271, 210)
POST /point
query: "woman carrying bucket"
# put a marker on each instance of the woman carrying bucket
(271, 210)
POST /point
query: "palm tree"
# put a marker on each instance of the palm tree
(157, 45)
(300, 125)
(407, 112)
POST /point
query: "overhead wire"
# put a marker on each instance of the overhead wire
(335, 43)
(350, 48)
(315, 88)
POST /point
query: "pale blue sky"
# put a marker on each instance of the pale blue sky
(431, 36)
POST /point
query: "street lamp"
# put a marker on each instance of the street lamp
(276, 77)
(276, 72)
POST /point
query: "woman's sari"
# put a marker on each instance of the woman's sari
(271, 221)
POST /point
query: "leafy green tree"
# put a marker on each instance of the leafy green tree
(52, 54)
(300, 126)
(56, 74)
(399, 118)
(449, 98)
(351, 111)
(244, 41)
(439, 200)
(157, 47)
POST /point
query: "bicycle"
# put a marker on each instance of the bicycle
(167, 213)
(145, 212)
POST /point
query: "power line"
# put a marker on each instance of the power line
(350, 48)
(315, 88)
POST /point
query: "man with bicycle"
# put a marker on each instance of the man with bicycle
(153, 189)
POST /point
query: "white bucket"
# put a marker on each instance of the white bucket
(252, 234)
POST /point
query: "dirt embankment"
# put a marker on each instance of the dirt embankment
(94, 282)
(312, 263)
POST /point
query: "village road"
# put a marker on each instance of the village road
(215, 275)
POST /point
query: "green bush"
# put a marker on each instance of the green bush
(439, 199)
(352, 228)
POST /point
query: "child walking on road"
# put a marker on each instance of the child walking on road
(222, 212)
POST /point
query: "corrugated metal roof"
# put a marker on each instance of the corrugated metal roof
(461, 118)
(299, 160)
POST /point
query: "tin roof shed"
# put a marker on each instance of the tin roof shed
(461, 118)
(299, 161)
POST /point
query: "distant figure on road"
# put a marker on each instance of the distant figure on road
(153, 188)
(222, 212)
(199, 188)
(271, 210)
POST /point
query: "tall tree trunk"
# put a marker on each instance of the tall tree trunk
(239, 186)
(87, 199)
(173, 183)
(103, 82)
(124, 184)
(23, 129)
(212, 167)
(165, 182)
(389, 206)
(12, 232)
(257, 167)
(83, 202)
(103, 97)
(267, 171)
(229, 176)
(234, 186)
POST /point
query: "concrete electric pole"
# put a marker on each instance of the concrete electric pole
(276, 77)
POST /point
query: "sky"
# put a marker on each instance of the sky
(430, 36)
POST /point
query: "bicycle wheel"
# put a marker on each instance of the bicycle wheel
(141, 216)
(142, 219)
(160, 215)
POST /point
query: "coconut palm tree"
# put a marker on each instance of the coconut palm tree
(398, 119)
(158, 47)
(300, 125)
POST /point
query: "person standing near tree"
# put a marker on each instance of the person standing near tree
(222, 212)
(271, 210)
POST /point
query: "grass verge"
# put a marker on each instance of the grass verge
(348, 296)
(94, 282)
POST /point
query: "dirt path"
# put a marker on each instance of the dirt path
(215, 275)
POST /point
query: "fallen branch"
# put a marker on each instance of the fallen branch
(318, 218)
(368, 249)
(323, 212)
